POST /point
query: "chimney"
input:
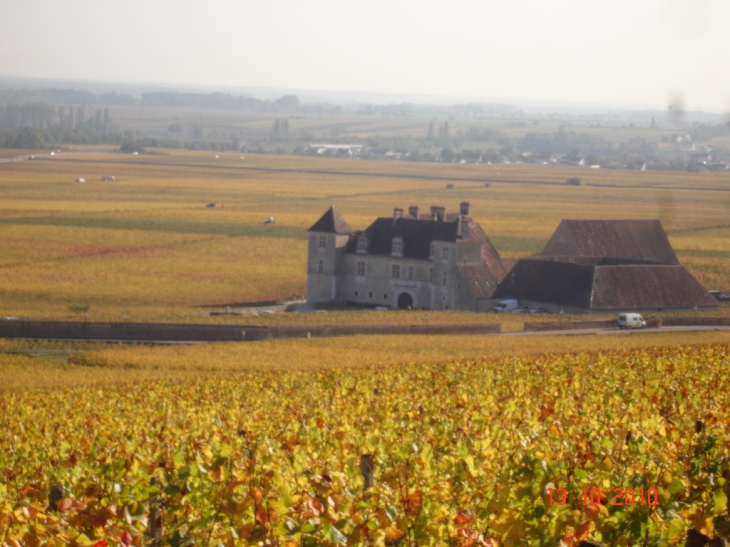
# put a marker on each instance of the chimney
(438, 213)
(464, 208)
(463, 228)
(413, 211)
(397, 213)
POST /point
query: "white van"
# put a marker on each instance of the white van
(631, 321)
(506, 305)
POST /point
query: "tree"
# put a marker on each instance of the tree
(174, 128)
(107, 122)
(131, 146)
(29, 138)
(447, 155)
(430, 130)
(280, 130)
(197, 130)
(591, 159)
(573, 181)
(81, 116)
(288, 102)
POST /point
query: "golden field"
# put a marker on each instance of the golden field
(32, 364)
(145, 246)
(626, 447)
(259, 443)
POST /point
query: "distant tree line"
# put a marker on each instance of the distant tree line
(30, 137)
(563, 142)
(46, 116)
(224, 101)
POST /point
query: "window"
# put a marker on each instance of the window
(385, 296)
(360, 268)
(395, 271)
(362, 244)
(445, 278)
(397, 247)
(322, 242)
(357, 293)
(445, 253)
(370, 295)
(433, 250)
(430, 275)
(411, 271)
(320, 268)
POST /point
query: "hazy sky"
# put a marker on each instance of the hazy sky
(604, 52)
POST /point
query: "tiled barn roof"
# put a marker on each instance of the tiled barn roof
(628, 239)
(605, 286)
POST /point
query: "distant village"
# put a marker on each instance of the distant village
(472, 133)
(679, 153)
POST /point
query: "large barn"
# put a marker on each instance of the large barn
(594, 266)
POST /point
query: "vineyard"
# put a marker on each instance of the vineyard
(626, 447)
(146, 248)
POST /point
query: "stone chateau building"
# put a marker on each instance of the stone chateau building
(434, 260)
(439, 260)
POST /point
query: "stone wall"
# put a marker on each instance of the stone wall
(172, 332)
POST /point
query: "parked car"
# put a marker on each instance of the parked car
(522, 309)
(631, 321)
(538, 309)
(506, 305)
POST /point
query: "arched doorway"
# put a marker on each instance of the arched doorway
(405, 301)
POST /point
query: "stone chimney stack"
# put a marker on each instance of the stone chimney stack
(413, 211)
(463, 227)
(465, 208)
(438, 213)
(397, 213)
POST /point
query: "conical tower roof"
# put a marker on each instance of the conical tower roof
(331, 223)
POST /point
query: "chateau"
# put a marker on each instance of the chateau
(429, 260)
(441, 261)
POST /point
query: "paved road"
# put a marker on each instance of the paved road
(599, 332)
(46, 156)
(619, 331)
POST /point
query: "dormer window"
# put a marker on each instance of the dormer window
(362, 244)
(322, 243)
(432, 251)
(397, 246)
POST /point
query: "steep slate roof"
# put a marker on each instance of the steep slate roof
(417, 236)
(629, 239)
(331, 223)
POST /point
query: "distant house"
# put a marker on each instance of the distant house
(594, 266)
(430, 260)
(339, 150)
